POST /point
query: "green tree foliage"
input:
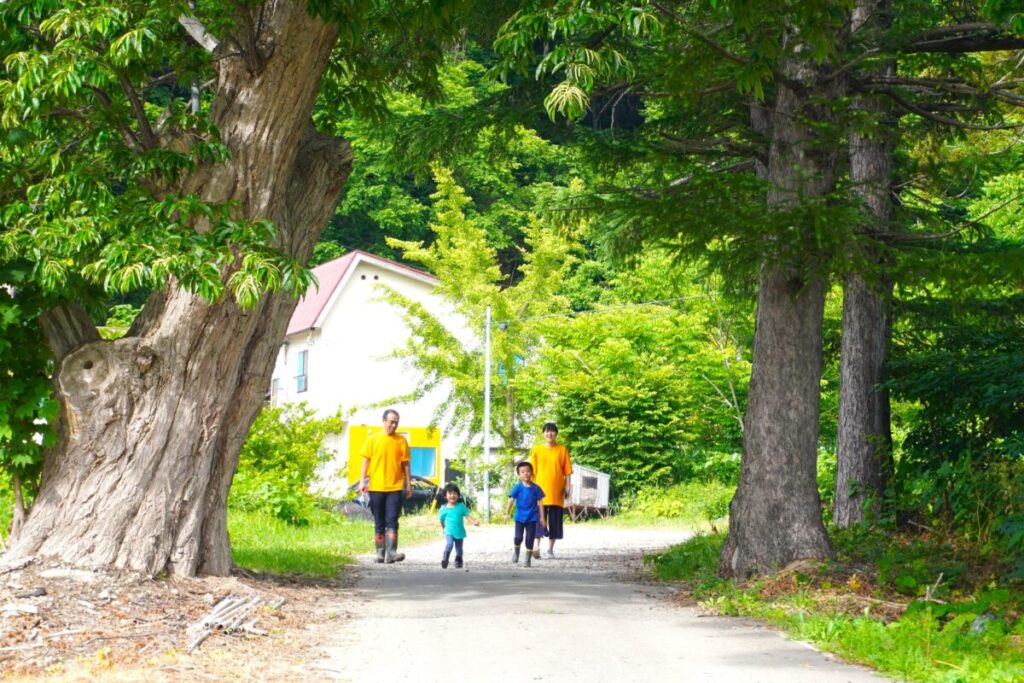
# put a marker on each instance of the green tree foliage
(669, 122)
(97, 136)
(667, 91)
(735, 92)
(955, 362)
(651, 393)
(27, 407)
(501, 168)
(279, 460)
(958, 365)
(470, 281)
(619, 402)
(142, 152)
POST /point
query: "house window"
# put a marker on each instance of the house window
(275, 392)
(301, 379)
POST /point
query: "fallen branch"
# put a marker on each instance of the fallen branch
(931, 589)
(16, 648)
(61, 634)
(21, 564)
(875, 601)
(230, 615)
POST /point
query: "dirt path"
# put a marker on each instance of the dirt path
(590, 615)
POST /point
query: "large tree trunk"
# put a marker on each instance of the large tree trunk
(775, 516)
(864, 445)
(152, 423)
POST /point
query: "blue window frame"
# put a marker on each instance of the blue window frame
(301, 379)
(423, 461)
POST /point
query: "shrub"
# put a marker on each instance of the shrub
(692, 501)
(278, 462)
(694, 561)
(717, 466)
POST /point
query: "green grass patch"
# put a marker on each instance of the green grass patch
(260, 542)
(698, 505)
(967, 638)
(628, 521)
(693, 562)
(6, 511)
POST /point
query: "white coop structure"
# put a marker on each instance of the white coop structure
(589, 493)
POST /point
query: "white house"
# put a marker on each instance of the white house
(335, 355)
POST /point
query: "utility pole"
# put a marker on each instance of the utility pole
(487, 415)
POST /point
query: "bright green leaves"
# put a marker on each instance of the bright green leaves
(278, 462)
(1008, 13)
(99, 136)
(84, 21)
(470, 280)
(130, 45)
(648, 391)
(265, 271)
(567, 99)
(501, 165)
(585, 45)
(83, 54)
(26, 405)
(384, 45)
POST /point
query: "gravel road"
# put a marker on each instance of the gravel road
(592, 615)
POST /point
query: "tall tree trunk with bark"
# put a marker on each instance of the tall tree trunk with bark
(864, 445)
(775, 516)
(152, 423)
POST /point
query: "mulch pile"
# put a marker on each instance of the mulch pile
(76, 624)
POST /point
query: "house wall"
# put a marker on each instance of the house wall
(348, 366)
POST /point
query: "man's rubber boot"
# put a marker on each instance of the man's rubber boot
(378, 542)
(391, 553)
(515, 554)
(444, 561)
(529, 556)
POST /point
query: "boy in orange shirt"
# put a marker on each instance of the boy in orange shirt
(552, 468)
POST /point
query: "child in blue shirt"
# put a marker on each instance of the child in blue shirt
(452, 516)
(526, 496)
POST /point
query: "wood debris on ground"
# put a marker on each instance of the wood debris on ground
(52, 617)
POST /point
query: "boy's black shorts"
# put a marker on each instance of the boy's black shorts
(553, 516)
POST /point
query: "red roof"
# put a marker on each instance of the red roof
(329, 275)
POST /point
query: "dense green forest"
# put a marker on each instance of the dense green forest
(766, 252)
(776, 245)
(643, 352)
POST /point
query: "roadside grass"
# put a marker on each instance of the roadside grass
(694, 505)
(868, 608)
(263, 543)
(629, 521)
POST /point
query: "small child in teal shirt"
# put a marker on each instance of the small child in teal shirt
(452, 516)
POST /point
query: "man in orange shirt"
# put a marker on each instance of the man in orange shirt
(386, 460)
(552, 468)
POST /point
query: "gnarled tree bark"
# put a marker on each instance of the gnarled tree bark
(152, 423)
(775, 516)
